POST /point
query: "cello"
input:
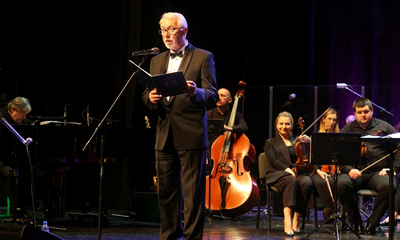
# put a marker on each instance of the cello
(234, 190)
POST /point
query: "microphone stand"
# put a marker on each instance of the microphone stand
(381, 108)
(26, 142)
(102, 146)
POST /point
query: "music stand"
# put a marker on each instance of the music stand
(335, 149)
(216, 125)
(25, 142)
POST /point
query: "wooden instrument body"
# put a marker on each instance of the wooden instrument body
(328, 169)
(303, 154)
(303, 161)
(241, 188)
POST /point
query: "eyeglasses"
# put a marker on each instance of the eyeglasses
(331, 119)
(169, 30)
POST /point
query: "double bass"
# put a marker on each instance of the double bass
(233, 190)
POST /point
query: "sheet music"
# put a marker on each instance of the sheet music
(58, 123)
(393, 135)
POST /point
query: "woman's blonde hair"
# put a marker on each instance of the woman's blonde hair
(322, 127)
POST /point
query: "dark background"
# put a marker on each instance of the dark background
(76, 54)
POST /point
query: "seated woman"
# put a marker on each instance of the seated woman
(296, 188)
(329, 123)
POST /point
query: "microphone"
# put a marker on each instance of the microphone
(341, 85)
(152, 51)
(28, 141)
(65, 114)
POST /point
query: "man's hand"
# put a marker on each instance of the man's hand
(226, 128)
(154, 96)
(354, 174)
(190, 88)
(385, 171)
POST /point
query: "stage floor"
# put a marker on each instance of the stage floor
(122, 225)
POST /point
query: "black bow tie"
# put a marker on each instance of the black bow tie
(178, 54)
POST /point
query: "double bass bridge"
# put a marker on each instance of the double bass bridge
(224, 167)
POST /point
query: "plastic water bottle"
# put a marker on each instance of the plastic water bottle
(45, 227)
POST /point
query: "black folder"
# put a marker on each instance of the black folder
(167, 84)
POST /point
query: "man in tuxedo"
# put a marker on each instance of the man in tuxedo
(181, 139)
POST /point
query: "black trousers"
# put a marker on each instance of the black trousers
(324, 196)
(296, 191)
(181, 177)
(347, 189)
(397, 196)
(6, 175)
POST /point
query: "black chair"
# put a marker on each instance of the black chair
(262, 169)
(263, 164)
(363, 208)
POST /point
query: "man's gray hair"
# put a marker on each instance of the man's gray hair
(20, 104)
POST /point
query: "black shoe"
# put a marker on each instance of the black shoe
(370, 230)
(358, 228)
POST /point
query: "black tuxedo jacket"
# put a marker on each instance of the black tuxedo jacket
(184, 115)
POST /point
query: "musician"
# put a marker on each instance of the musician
(14, 113)
(329, 123)
(397, 196)
(396, 199)
(223, 111)
(181, 139)
(296, 188)
(351, 179)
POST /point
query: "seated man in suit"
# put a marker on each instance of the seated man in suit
(223, 112)
(14, 113)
